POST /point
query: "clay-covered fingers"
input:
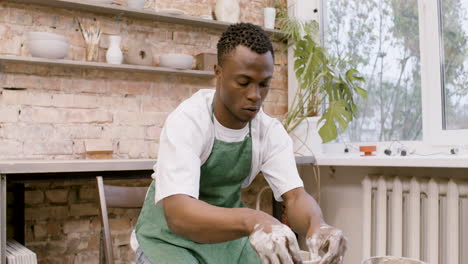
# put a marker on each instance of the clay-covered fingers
(288, 248)
(332, 241)
(336, 248)
(293, 248)
(276, 247)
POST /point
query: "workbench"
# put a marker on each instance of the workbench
(30, 171)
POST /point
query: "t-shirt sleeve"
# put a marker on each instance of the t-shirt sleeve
(278, 164)
(177, 170)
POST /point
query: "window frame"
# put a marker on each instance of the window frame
(435, 138)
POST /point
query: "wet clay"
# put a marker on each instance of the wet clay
(273, 247)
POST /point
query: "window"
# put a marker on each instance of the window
(454, 27)
(381, 39)
(415, 61)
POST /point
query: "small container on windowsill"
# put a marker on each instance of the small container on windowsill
(368, 150)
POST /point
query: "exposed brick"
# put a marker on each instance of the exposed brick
(94, 241)
(56, 247)
(95, 225)
(21, 17)
(120, 103)
(57, 196)
(121, 239)
(182, 37)
(40, 231)
(78, 147)
(42, 115)
(86, 86)
(119, 224)
(33, 197)
(134, 148)
(123, 132)
(87, 194)
(138, 118)
(153, 150)
(10, 148)
(28, 131)
(87, 257)
(87, 209)
(78, 226)
(75, 101)
(9, 113)
(88, 116)
(54, 229)
(157, 105)
(79, 131)
(153, 132)
(48, 147)
(44, 213)
(11, 45)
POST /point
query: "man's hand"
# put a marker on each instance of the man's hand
(279, 246)
(329, 240)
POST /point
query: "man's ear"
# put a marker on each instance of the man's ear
(217, 70)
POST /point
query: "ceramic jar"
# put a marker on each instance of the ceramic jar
(114, 53)
(139, 53)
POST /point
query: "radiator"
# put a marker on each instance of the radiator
(19, 254)
(419, 218)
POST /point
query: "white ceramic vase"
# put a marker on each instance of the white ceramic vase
(269, 15)
(227, 10)
(306, 139)
(114, 53)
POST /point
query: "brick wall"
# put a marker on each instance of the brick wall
(55, 113)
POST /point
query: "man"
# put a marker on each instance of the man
(213, 144)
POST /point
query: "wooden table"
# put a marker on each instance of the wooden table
(28, 171)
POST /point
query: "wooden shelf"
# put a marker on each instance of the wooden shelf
(135, 13)
(102, 66)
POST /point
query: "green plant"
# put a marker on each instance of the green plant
(324, 84)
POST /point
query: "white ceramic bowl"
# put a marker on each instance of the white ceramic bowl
(176, 61)
(136, 4)
(391, 260)
(45, 36)
(49, 48)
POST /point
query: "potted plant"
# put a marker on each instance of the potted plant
(327, 88)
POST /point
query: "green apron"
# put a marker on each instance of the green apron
(221, 177)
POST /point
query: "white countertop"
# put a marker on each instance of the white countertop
(51, 166)
(433, 161)
(55, 166)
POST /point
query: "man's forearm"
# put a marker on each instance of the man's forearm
(303, 212)
(205, 223)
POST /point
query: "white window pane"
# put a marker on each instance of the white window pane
(454, 20)
(381, 37)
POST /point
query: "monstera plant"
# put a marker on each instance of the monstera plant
(326, 87)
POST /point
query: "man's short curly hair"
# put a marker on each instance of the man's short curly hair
(246, 34)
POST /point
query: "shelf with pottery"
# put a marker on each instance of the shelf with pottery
(102, 66)
(116, 10)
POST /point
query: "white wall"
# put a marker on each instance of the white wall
(341, 197)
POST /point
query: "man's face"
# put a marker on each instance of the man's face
(243, 82)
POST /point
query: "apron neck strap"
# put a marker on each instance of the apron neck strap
(212, 118)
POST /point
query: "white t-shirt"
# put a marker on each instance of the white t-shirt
(187, 139)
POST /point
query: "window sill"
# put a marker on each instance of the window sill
(433, 161)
